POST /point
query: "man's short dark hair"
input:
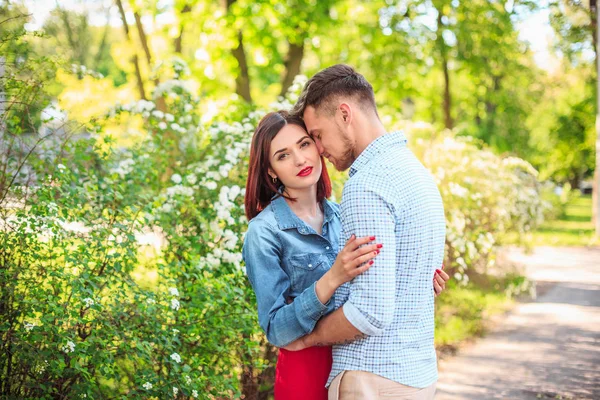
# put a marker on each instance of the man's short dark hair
(339, 80)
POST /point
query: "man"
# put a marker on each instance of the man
(383, 328)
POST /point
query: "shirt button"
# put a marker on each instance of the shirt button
(309, 265)
(327, 248)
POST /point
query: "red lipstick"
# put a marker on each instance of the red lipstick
(305, 172)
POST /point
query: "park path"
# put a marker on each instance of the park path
(545, 349)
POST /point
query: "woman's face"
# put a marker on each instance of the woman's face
(294, 158)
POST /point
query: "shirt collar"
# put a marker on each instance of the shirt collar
(375, 147)
(286, 219)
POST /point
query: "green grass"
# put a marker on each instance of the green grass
(573, 228)
(464, 312)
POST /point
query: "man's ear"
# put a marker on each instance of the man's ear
(345, 112)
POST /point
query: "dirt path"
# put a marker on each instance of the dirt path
(546, 349)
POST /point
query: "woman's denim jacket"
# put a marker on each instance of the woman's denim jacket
(284, 259)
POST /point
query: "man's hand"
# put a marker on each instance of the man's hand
(439, 281)
(296, 345)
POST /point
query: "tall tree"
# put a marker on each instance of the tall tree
(576, 26)
(442, 51)
(242, 80)
(134, 57)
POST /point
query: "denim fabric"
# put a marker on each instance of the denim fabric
(284, 258)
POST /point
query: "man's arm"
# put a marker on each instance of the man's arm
(370, 306)
(332, 329)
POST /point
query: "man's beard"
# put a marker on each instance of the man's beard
(347, 158)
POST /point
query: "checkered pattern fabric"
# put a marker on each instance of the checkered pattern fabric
(392, 196)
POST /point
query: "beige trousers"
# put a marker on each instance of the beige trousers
(361, 385)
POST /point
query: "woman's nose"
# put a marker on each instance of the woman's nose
(300, 160)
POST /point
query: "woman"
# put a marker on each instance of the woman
(290, 249)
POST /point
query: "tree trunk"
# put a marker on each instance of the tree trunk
(143, 38)
(447, 99)
(447, 105)
(292, 66)
(160, 102)
(73, 43)
(179, 39)
(242, 80)
(134, 58)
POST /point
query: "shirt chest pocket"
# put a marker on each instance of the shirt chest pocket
(306, 269)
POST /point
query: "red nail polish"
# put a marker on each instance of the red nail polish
(438, 271)
(372, 238)
(378, 251)
(379, 246)
(371, 262)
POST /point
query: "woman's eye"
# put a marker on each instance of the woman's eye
(281, 157)
(304, 144)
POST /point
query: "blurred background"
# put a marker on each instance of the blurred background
(125, 127)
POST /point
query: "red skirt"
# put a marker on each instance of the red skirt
(302, 375)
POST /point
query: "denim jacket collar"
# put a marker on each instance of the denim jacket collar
(286, 219)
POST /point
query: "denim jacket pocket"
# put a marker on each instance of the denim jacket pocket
(306, 269)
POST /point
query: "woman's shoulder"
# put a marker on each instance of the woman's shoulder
(264, 220)
(262, 234)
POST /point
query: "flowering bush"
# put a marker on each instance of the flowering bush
(485, 196)
(122, 271)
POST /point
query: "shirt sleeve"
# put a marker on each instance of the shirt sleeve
(282, 323)
(370, 305)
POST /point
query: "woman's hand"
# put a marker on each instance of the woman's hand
(439, 281)
(353, 260)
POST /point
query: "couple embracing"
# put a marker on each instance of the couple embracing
(345, 291)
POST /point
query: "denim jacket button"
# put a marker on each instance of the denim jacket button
(327, 248)
(309, 265)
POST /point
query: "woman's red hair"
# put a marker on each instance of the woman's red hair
(260, 189)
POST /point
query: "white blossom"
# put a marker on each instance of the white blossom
(180, 190)
(234, 192)
(211, 185)
(88, 302)
(29, 326)
(147, 386)
(176, 357)
(175, 391)
(230, 239)
(176, 178)
(173, 291)
(191, 179)
(69, 347)
(167, 207)
(175, 304)
(194, 393)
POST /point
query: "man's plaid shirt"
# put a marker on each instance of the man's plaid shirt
(392, 196)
